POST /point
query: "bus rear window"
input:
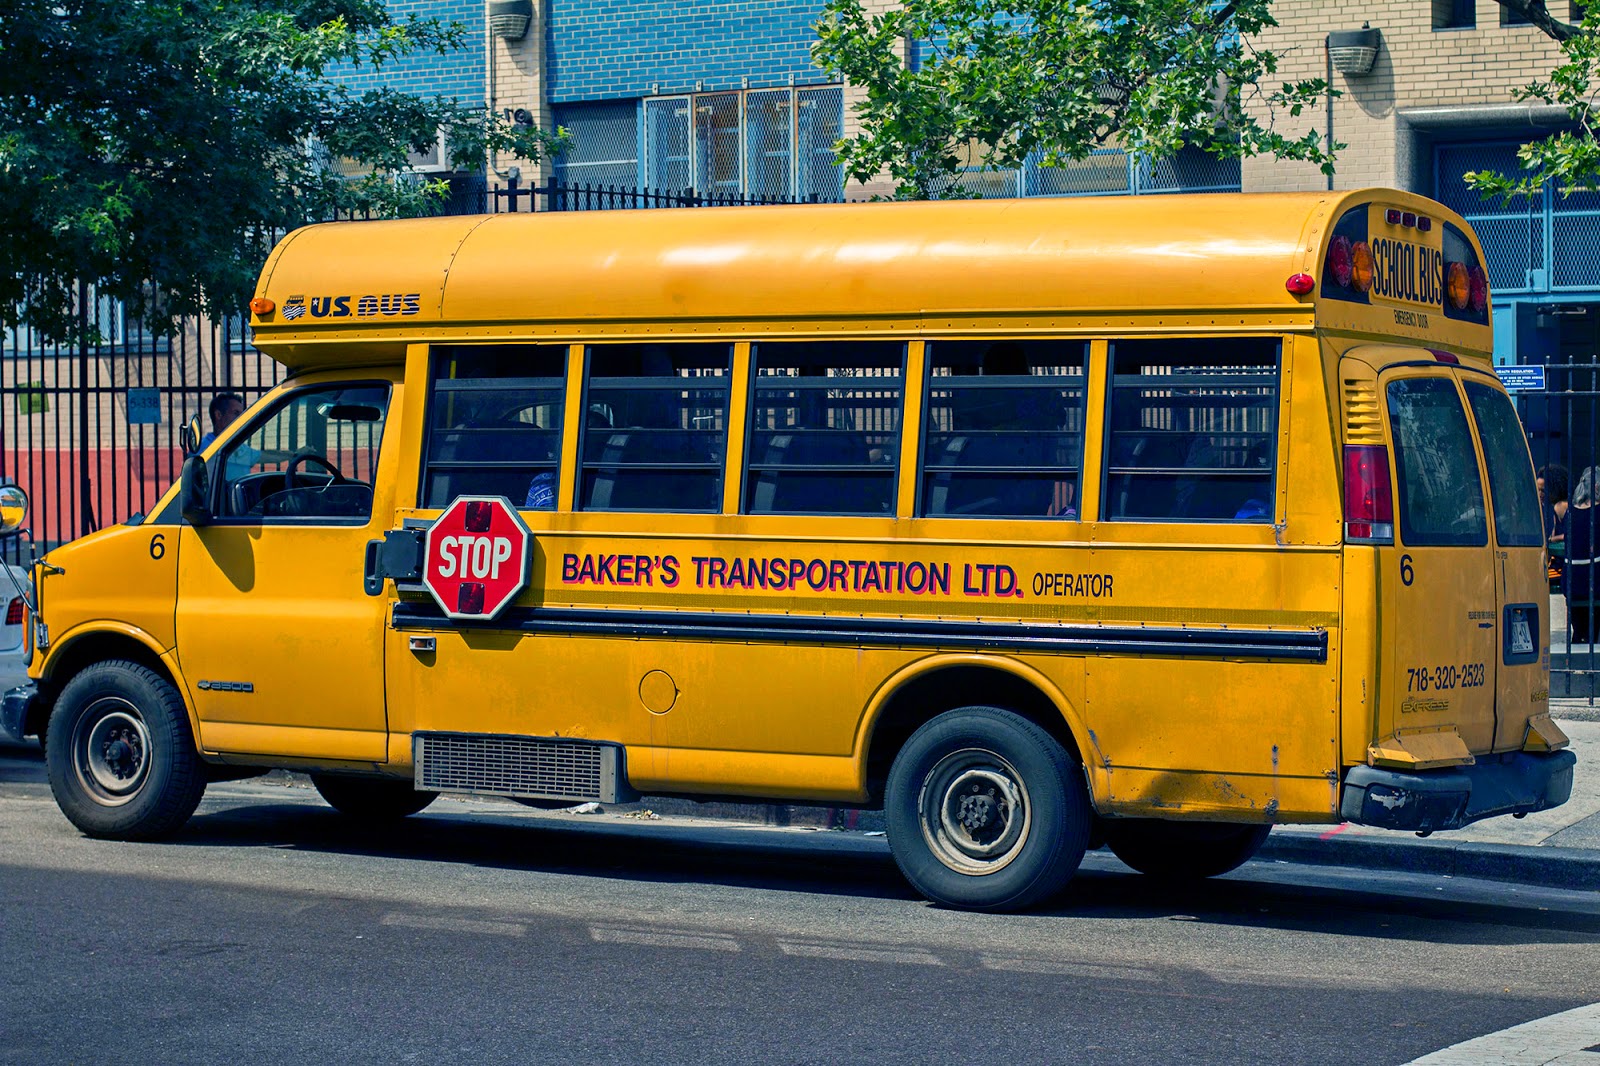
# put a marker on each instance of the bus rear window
(1517, 522)
(1441, 499)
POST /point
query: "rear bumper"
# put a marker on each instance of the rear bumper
(15, 706)
(1431, 800)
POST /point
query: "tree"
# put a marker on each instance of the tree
(1006, 80)
(1568, 159)
(152, 148)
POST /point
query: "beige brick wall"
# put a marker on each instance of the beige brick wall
(1417, 67)
(519, 82)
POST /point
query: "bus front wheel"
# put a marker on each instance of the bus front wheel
(120, 755)
(986, 811)
(371, 799)
(1177, 851)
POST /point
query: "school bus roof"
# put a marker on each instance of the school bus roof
(358, 292)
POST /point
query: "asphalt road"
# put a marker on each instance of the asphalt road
(274, 929)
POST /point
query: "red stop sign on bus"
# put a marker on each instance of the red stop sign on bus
(477, 557)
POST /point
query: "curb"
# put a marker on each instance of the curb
(1530, 864)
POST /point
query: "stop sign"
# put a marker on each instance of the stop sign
(476, 556)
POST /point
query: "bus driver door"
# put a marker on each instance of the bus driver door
(282, 651)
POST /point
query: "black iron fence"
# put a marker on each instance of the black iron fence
(1563, 423)
(91, 431)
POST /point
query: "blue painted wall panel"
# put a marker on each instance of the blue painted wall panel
(600, 49)
(458, 74)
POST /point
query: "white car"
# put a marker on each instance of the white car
(14, 615)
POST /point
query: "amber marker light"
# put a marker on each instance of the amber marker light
(1300, 284)
(1458, 286)
(262, 306)
(1361, 266)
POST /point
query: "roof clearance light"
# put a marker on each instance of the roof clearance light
(262, 306)
(1408, 219)
(1339, 261)
(1478, 283)
(1300, 284)
(1368, 500)
(1392, 216)
(1424, 223)
(1457, 285)
(1361, 266)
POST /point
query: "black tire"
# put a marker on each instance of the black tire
(372, 799)
(1183, 851)
(120, 754)
(986, 811)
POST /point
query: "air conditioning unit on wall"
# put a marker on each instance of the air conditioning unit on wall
(434, 161)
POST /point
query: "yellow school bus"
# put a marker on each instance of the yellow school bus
(1151, 522)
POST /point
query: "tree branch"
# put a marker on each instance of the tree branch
(1539, 15)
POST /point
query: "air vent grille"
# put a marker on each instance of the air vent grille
(539, 767)
(1363, 418)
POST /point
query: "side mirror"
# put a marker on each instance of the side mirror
(13, 509)
(189, 436)
(194, 491)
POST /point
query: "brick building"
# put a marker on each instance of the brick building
(722, 97)
(1436, 104)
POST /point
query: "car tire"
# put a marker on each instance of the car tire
(120, 754)
(371, 799)
(986, 811)
(1183, 851)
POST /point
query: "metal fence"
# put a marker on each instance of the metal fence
(91, 432)
(1563, 424)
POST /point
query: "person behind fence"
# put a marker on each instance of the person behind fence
(1553, 503)
(1577, 580)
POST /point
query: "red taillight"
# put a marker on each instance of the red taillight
(1368, 499)
(1339, 261)
(1478, 286)
(1300, 284)
(15, 612)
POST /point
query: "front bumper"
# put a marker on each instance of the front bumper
(15, 707)
(1431, 800)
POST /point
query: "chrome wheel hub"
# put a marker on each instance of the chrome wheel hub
(974, 811)
(111, 751)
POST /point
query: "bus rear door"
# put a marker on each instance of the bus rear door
(1440, 611)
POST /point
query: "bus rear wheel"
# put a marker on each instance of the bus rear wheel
(1180, 851)
(371, 799)
(120, 754)
(986, 811)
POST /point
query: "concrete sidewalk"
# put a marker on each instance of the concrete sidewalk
(1558, 848)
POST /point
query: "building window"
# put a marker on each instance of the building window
(1110, 172)
(1193, 430)
(751, 144)
(1004, 429)
(605, 144)
(1455, 14)
(1509, 17)
(655, 427)
(824, 427)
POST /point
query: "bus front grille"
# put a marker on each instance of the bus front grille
(532, 767)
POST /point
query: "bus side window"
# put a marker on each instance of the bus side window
(824, 427)
(1193, 430)
(1004, 428)
(494, 423)
(657, 427)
